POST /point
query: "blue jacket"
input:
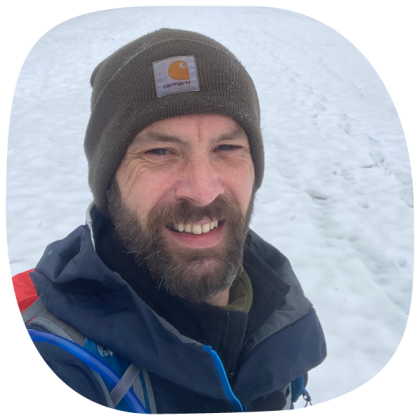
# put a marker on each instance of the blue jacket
(186, 376)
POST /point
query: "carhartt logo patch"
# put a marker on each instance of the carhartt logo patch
(175, 75)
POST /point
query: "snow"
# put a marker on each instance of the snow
(337, 194)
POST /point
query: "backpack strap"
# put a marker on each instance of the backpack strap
(134, 376)
(43, 318)
(137, 378)
(142, 387)
(126, 382)
(34, 310)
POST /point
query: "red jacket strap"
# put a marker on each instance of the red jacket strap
(25, 291)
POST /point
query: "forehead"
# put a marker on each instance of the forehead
(202, 127)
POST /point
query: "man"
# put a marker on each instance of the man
(165, 283)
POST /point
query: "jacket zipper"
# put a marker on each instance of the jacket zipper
(224, 379)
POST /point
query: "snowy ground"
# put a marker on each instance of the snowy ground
(337, 193)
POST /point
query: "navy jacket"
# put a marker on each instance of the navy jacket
(76, 286)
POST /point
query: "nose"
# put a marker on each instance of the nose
(200, 183)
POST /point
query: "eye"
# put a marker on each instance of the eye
(228, 147)
(158, 152)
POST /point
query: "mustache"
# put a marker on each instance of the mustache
(221, 208)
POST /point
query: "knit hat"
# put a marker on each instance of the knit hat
(164, 74)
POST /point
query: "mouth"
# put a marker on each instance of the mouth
(202, 234)
(195, 228)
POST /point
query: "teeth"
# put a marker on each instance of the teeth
(196, 229)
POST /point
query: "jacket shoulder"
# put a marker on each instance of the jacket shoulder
(277, 261)
(267, 252)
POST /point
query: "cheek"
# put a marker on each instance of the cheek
(240, 181)
(128, 181)
(244, 174)
(142, 188)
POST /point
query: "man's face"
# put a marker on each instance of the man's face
(182, 200)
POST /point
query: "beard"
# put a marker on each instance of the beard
(193, 274)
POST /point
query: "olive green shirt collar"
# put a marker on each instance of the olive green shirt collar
(241, 295)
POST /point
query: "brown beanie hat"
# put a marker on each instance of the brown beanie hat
(164, 74)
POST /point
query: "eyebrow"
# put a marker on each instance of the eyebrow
(158, 136)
